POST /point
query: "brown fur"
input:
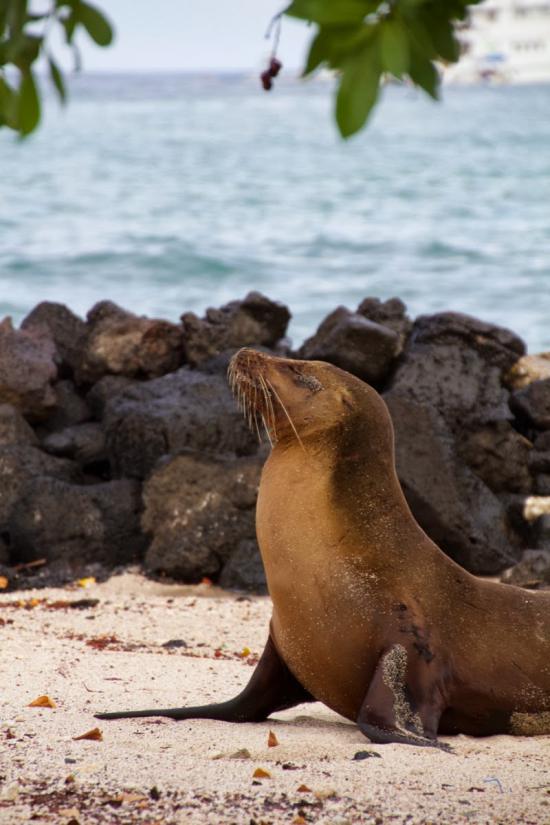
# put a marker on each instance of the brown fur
(369, 616)
(353, 576)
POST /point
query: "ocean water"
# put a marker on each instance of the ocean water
(174, 193)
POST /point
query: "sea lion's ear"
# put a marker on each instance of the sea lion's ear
(346, 399)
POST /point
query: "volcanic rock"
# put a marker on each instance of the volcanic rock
(105, 390)
(351, 342)
(532, 404)
(456, 363)
(454, 507)
(73, 523)
(21, 463)
(27, 370)
(70, 408)
(253, 321)
(391, 313)
(244, 570)
(529, 368)
(499, 456)
(84, 443)
(497, 345)
(13, 427)
(120, 343)
(197, 511)
(532, 571)
(65, 329)
(183, 411)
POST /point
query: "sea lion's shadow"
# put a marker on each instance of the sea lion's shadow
(305, 721)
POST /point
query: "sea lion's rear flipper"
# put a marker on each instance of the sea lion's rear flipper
(271, 688)
(401, 704)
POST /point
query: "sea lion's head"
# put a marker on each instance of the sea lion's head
(301, 400)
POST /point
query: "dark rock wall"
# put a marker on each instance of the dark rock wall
(120, 441)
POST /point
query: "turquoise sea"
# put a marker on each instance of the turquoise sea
(170, 193)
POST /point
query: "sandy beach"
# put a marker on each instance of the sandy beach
(111, 653)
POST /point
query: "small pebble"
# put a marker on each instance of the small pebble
(360, 755)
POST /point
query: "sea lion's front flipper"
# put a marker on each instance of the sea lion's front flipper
(402, 704)
(271, 688)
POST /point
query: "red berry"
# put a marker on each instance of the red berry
(275, 66)
(267, 82)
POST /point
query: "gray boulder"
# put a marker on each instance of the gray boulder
(65, 329)
(19, 464)
(13, 427)
(532, 571)
(353, 343)
(84, 443)
(105, 390)
(496, 345)
(186, 410)
(542, 484)
(499, 456)
(532, 404)
(245, 569)
(27, 370)
(70, 408)
(120, 343)
(450, 380)
(456, 364)
(454, 507)
(254, 321)
(391, 313)
(4, 556)
(197, 511)
(539, 462)
(76, 524)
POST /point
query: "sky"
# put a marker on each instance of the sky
(193, 34)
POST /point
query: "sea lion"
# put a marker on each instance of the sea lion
(369, 616)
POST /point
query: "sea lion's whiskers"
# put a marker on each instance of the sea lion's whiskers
(267, 431)
(270, 412)
(272, 416)
(256, 426)
(249, 412)
(255, 405)
(246, 402)
(290, 421)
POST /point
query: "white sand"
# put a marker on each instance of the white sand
(47, 777)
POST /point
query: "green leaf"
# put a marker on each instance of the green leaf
(69, 24)
(8, 103)
(441, 33)
(334, 44)
(97, 26)
(394, 47)
(24, 51)
(423, 72)
(420, 38)
(57, 79)
(319, 51)
(28, 114)
(410, 6)
(16, 15)
(358, 89)
(332, 12)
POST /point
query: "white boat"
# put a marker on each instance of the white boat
(504, 41)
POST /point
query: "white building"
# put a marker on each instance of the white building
(506, 41)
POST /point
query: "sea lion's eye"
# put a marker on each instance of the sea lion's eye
(308, 381)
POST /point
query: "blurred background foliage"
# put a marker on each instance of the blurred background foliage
(25, 42)
(364, 42)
